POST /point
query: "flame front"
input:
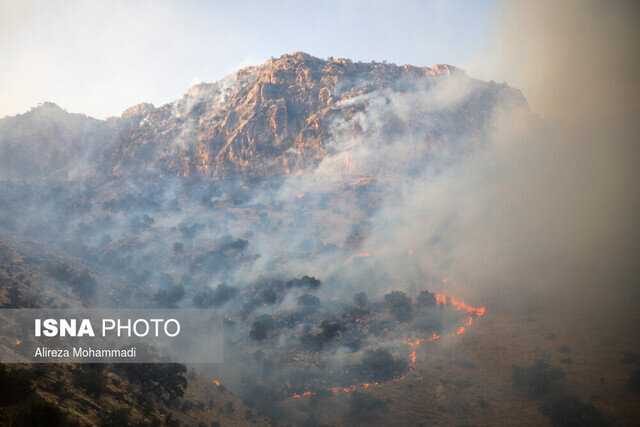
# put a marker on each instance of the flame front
(415, 343)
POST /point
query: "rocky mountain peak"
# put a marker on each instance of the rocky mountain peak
(138, 110)
(275, 118)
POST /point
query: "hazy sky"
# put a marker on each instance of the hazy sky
(99, 58)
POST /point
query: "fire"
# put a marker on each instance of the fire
(348, 163)
(303, 395)
(362, 254)
(216, 382)
(336, 390)
(415, 343)
(18, 343)
(352, 388)
(460, 305)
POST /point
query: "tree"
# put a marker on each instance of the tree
(399, 304)
(364, 407)
(165, 381)
(170, 295)
(380, 365)
(537, 380)
(261, 327)
(90, 378)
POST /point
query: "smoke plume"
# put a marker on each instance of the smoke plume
(553, 209)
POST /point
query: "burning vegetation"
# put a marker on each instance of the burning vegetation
(300, 201)
(318, 344)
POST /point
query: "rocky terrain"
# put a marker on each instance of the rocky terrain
(289, 197)
(274, 119)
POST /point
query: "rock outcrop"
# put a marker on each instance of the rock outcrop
(273, 119)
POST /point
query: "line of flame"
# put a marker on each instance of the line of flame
(414, 344)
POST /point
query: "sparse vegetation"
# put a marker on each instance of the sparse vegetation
(380, 365)
(116, 418)
(214, 297)
(165, 381)
(426, 299)
(538, 379)
(90, 378)
(170, 296)
(261, 327)
(37, 412)
(81, 280)
(399, 304)
(16, 383)
(364, 407)
(569, 411)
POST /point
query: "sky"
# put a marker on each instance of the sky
(99, 58)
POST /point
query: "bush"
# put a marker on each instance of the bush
(178, 247)
(81, 281)
(309, 301)
(428, 321)
(361, 300)
(38, 412)
(170, 296)
(261, 398)
(537, 380)
(261, 327)
(85, 285)
(426, 299)
(16, 385)
(90, 378)
(380, 365)
(307, 282)
(218, 297)
(164, 381)
(116, 418)
(363, 407)
(399, 305)
(568, 411)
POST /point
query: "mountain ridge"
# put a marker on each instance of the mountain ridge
(270, 119)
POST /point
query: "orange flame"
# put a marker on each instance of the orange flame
(302, 395)
(415, 343)
(460, 305)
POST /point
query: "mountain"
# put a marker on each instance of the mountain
(48, 142)
(277, 118)
(161, 208)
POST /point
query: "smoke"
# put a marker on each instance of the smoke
(550, 206)
(536, 206)
(574, 60)
(427, 184)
